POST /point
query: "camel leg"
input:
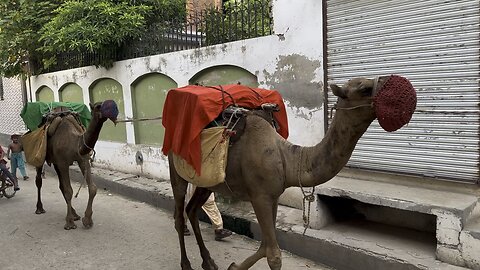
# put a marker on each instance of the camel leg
(67, 191)
(38, 183)
(179, 187)
(199, 197)
(92, 192)
(265, 210)
(74, 213)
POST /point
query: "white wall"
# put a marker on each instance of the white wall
(11, 106)
(289, 61)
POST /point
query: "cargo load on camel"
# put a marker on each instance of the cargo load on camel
(41, 119)
(202, 121)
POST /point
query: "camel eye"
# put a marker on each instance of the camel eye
(367, 91)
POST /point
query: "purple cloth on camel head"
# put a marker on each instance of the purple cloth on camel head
(110, 110)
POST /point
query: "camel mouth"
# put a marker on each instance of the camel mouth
(394, 103)
(109, 110)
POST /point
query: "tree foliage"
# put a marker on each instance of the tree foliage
(40, 30)
(20, 24)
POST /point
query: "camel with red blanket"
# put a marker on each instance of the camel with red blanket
(262, 164)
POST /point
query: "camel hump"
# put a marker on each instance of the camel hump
(53, 125)
(58, 114)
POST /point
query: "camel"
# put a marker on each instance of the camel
(261, 165)
(67, 143)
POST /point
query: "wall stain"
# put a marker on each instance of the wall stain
(200, 54)
(294, 78)
(54, 81)
(224, 48)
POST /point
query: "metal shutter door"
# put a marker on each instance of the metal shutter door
(436, 45)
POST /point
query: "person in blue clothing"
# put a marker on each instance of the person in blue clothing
(15, 154)
(6, 172)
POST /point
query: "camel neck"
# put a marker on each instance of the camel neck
(91, 136)
(320, 163)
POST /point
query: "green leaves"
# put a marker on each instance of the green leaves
(38, 31)
(92, 25)
(20, 22)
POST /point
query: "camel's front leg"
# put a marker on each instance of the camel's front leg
(38, 183)
(92, 192)
(179, 187)
(199, 197)
(265, 209)
(67, 191)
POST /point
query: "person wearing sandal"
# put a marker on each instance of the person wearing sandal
(210, 208)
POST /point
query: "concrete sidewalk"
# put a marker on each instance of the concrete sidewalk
(341, 246)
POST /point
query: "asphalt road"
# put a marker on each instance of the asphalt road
(126, 235)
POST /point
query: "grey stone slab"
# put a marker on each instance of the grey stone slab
(404, 197)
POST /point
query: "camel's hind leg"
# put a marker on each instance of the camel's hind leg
(38, 183)
(266, 212)
(199, 197)
(179, 187)
(67, 191)
(92, 192)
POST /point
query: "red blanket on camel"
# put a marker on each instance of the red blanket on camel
(188, 110)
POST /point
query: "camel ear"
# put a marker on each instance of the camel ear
(337, 91)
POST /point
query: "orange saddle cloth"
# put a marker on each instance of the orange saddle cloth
(189, 109)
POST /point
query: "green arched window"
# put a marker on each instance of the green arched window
(148, 96)
(45, 94)
(104, 89)
(225, 74)
(71, 92)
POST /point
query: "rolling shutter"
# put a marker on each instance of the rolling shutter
(435, 44)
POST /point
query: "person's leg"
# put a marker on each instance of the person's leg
(14, 163)
(188, 195)
(21, 166)
(7, 173)
(211, 209)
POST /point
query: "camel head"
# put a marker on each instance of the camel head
(356, 93)
(392, 99)
(102, 111)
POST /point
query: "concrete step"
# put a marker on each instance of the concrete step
(470, 239)
(415, 205)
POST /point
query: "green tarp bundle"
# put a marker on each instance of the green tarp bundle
(33, 112)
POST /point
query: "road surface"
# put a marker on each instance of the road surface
(126, 235)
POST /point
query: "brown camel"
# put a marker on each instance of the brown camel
(261, 165)
(67, 143)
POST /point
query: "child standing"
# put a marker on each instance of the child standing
(16, 157)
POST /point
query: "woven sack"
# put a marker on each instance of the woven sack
(395, 103)
(35, 146)
(214, 147)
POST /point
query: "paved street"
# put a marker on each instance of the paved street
(126, 235)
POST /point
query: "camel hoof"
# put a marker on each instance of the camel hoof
(39, 211)
(70, 226)
(87, 222)
(233, 266)
(76, 217)
(186, 266)
(209, 265)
